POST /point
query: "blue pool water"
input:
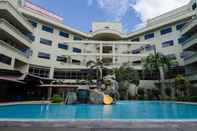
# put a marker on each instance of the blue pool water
(122, 110)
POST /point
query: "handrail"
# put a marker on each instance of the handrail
(189, 57)
(188, 23)
(15, 29)
(13, 7)
(189, 39)
(15, 49)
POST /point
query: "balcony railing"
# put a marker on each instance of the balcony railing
(15, 29)
(26, 54)
(189, 39)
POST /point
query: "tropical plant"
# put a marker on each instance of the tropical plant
(182, 86)
(126, 75)
(158, 63)
(57, 99)
(98, 66)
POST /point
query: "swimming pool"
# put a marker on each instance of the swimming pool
(122, 111)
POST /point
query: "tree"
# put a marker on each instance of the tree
(158, 63)
(99, 66)
(125, 75)
(182, 85)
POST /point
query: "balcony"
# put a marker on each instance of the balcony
(14, 52)
(9, 11)
(191, 59)
(189, 27)
(8, 31)
(192, 76)
(190, 44)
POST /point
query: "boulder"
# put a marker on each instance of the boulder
(71, 98)
(96, 97)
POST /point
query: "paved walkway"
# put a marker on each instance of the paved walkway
(98, 126)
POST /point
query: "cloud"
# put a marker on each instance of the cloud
(144, 9)
(116, 9)
(147, 9)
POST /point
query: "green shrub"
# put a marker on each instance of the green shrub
(192, 98)
(57, 99)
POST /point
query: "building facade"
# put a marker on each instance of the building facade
(36, 41)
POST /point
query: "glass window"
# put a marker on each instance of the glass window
(77, 62)
(39, 71)
(31, 36)
(64, 34)
(180, 26)
(136, 40)
(183, 39)
(166, 31)
(61, 59)
(5, 59)
(45, 41)
(171, 56)
(77, 38)
(33, 23)
(47, 29)
(44, 55)
(168, 43)
(63, 46)
(76, 50)
(149, 36)
(194, 6)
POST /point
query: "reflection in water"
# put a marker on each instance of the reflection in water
(107, 111)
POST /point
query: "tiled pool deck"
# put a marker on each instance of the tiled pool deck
(96, 125)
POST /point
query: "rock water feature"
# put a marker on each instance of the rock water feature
(109, 89)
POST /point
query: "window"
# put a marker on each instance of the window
(76, 50)
(39, 71)
(149, 36)
(180, 26)
(183, 39)
(45, 41)
(138, 62)
(44, 55)
(33, 23)
(77, 38)
(64, 34)
(47, 29)
(171, 56)
(31, 36)
(5, 59)
(61, 59)
(168, 43)
(149, 47)
(166, 31)
(63, 46)
(76, 62)
(194, 6)
(136, 40)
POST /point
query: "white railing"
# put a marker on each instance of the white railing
(24, 54)
(15, 29)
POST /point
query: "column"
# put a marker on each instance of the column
(114, 53)
(51, 75)
(101, 51)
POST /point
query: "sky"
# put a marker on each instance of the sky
(133, 14)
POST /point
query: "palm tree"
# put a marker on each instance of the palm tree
(98, 65)
(158, 63)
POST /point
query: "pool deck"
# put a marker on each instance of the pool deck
(96, 125)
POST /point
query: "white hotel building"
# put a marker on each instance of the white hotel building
(36, 41)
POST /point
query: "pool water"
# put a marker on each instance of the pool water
(122, 110)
